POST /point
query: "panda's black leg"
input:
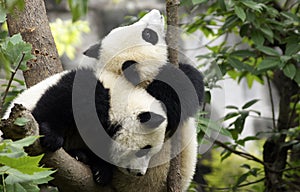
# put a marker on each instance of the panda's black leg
(101, 170)
(50, 140)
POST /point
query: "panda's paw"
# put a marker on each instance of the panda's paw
(79, 155)
(102, 175)
(50, 141)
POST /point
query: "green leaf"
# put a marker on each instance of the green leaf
(235, 63)
(2, 15)
(196, 2)
(292, 47)
(241, 179)
(232, 107)
(17, 38)
(246, 166)
(222, 5)
(78, 8)
(230, 115)
(240, 12)
(16, 187)
(297, 77)
(30, 187)
(289, 70)
(25, 142)
(250, 79)
(257, 37)
(250, 103)
(243, 141)
(207, 125)
(21, 121)
(267, 50)
(290, 16)
(269, 63)
(243, 53)
(230, 22)
(226, 155)
(239, 65)
(16, 176)
(267, 32)
(25, 164)
(253, 5)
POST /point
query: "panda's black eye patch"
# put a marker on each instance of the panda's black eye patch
(144, 151)
(150, 36)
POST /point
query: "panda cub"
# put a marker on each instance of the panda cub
(102, 120)
(138, 52)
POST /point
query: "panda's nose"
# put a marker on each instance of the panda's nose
(137, 172)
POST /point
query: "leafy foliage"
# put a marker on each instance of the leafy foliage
(19, 171)
(78, 8)
(268, 38)
(14, 53)
(272, 36)
(236, 170)
(67, 35)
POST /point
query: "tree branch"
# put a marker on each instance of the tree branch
(174, 179)
(272, 101)
(13, 73)
(71, 175)
(239, 153)
(32, 23)
(230, 188)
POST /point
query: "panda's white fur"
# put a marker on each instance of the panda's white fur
(125, 43)
(120, 45)
(30, 97)
(156, 176)
(127, 102)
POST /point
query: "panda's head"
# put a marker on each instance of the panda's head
(142, 42)
(140, 131)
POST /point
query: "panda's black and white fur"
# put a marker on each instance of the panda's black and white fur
(133, 119)
(142, 59)
(136, 56)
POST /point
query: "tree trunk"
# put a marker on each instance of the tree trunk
(32, 23)
(275, 152)
(174, 174)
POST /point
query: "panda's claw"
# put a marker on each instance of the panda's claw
(101, 175)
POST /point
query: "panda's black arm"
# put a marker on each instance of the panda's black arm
(195, 77)
(54, 113)
(180, 90)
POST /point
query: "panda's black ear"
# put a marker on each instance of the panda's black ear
(150, 119)
(93, 51)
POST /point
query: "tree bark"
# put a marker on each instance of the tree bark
(32, 23)
(275, 151)
(174, 179)
(172, 30)
(71, 175)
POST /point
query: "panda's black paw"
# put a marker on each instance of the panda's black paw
(102, 175)
(50, 141)
(80, 155)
